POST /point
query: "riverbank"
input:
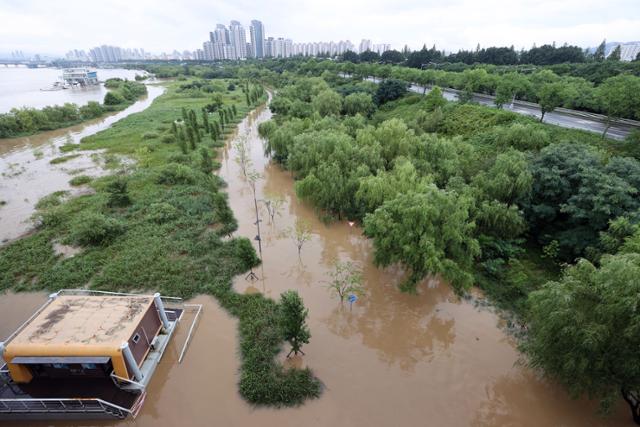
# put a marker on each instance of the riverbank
(392, 359)
(163, 225)
(31, 168)
(25, 121)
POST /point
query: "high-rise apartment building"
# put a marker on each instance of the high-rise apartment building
(238, 40)
(256, 31)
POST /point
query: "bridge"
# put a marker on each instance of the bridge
(26, 62)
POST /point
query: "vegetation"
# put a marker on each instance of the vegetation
(162, 225)
(480, 195)
(293, 317)
(346, 279)
(27, 121)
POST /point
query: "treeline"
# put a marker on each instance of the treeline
(617, 97)
(27, 121)
(543, 55)
(480, 196)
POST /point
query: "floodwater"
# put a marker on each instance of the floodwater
(20, 87)
(392, 359)
(26, 174)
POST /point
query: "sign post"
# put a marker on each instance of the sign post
(352, 298)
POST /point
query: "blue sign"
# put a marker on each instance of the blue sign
(352, 298)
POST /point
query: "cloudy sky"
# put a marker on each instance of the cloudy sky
(45, 26)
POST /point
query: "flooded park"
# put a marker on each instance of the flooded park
(390, 358)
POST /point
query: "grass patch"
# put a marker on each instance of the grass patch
(169, 237)
(68, 147)
(80, 180)
(63, 159)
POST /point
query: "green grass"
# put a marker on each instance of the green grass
(80, 180)
(170, 238)
(63, 159)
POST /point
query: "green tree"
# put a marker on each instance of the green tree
(328, 103)
(598, 55)
(434, 99)
(550, 96)
(293, 321)
(615, 54)
(619, 97)
(584, 330)
(429, 232)
(358, 103)
(390, 90)
(345, 279)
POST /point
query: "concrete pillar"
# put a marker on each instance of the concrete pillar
(160, 307)
(131, 362)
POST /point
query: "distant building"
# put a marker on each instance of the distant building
(238, 40)
(629, 51)
(365, 45)
(256, 31)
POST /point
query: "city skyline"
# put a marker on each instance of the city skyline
(31, 27)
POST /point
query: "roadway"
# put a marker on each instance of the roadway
(563, 117)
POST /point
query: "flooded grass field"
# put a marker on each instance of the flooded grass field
(392, 359)
(34, 166)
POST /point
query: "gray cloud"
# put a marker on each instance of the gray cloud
(163, 25)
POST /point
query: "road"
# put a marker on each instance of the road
(561, 116)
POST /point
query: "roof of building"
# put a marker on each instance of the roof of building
(76, 321)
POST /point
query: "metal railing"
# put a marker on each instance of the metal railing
(193, 324)
(63, 406)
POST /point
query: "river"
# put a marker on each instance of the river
(393, 359)
(20, 87)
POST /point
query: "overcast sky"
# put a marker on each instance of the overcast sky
(46, 26)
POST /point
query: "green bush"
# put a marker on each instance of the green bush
(161, 212)
(95, 229)
(112, 98)
(174, 173)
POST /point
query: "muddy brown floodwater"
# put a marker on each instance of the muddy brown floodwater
(26, 174)
(393, 359)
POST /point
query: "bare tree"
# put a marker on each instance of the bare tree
(300, 234)
(243, 157)
(274, 206)
(345, 279)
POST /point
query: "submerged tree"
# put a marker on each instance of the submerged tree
(584, 330)
(274, 206)
(300, 234)
(429, 231)
(293, 316)
(345, 279)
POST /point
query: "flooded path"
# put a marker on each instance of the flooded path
(394, 359)
(26, 174)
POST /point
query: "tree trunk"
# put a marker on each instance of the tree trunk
(633, 400)
(606, 128)
(424, 90)
(542, 116)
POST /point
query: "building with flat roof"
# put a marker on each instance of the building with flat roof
(85, 354)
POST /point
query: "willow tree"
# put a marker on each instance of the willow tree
(429, 232)
(584, 330)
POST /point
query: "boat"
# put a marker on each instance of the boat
(86, 354)
(56, 86)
